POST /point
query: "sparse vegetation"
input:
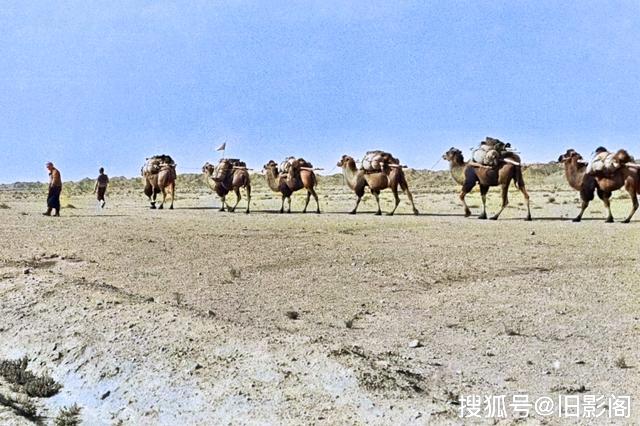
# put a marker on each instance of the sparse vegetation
(21, 405)
(15, 372)
(68, 416)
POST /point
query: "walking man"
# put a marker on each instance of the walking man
(102, 182)
(55, 188)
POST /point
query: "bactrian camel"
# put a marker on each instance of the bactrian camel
(295, 179)
(229, 175)
(358, 180)
(467, 176)
(159, 174)
(602, 183)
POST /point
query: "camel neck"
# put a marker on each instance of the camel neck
(574, 174)
(272, 180)
(457, 170)
(350, 175)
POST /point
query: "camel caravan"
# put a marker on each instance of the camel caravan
(492, 163)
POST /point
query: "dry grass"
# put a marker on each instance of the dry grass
(15, 372)
(68, 416)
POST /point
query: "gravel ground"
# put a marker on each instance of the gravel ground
(196, 316)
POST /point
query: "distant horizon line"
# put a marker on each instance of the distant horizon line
(252, 171)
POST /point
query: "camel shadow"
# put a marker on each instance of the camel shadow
(560, 219)
(196, 208)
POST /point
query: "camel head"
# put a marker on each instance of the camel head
(453, 155)
(271, 166)
(208, 169)
(346, 161)
(570, 155)
(622, 157)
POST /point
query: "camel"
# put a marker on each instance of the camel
(358, 180)
(467, 176)
(603, 184)
(159, 175)
(575, 172)
(298, 177)
(229, 175)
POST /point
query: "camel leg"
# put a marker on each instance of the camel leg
(405, 189)
(173, 195)
(224, 202)
(397, 199)
(248, 190)
(289, 204)
(359, 194)
(307, 202)
(238, 198)
(282, 206)
(376, 195)
(150, 193)
(315, 197)
(356, 206)
(583, 207)
(525, 194)
(467, 211)
(505, 200)
(483, 195)
(164, 197)
(634, 200)
(606, 199)
(586, 195)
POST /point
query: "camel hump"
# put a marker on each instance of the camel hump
(303, 163)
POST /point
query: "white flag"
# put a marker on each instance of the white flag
(222, 147)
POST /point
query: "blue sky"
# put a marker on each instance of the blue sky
(106, 83)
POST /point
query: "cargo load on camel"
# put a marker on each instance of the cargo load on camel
(292, 164)
(378, 161)
(491, 153)
(226, 166)
(233, 162)
(154, 164)
(606, 163)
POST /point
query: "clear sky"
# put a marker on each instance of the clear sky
(106, 83)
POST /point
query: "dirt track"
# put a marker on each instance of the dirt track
(182, 315)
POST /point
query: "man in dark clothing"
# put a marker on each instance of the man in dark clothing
(55, 188)
(101, 186)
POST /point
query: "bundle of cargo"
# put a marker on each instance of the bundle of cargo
(293, 164)
(154, 164)
(491, 152)
(378, 161)
(607, 163)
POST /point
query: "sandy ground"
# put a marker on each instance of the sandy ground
(180, 317)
